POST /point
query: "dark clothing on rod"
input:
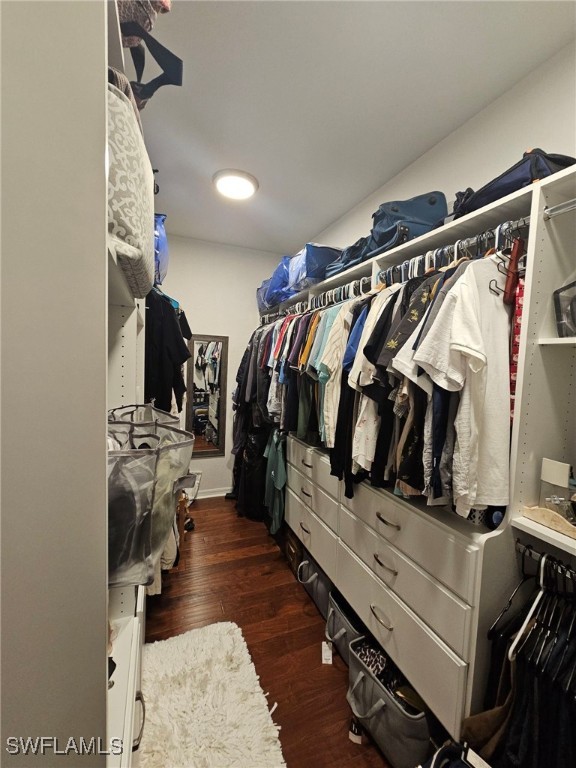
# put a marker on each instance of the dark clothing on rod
(165, 353)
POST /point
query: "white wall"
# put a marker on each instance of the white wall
(216, 284)
(540, 111)
(53, 396)
(216, 287)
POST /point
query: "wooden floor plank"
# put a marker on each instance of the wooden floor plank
(230, 569)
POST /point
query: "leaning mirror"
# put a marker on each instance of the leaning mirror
(206, 397)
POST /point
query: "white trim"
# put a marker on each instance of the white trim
(213, 493)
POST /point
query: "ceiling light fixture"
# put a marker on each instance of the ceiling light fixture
(237, 185)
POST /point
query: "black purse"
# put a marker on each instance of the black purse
(534, 165)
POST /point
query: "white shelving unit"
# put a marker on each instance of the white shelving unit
(544, 426)
(546, 393)
(72, 347)
(126, 335)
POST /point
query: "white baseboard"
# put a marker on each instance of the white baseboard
(211, 493)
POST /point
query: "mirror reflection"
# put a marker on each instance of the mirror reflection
(206, 402)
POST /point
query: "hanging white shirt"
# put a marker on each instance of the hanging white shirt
(330, 368)
(467, 349)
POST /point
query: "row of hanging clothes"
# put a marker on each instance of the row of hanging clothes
(530, 705)
(263, 406)
(409, 384)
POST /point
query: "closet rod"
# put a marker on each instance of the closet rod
(341, 293)
(557, 210)
(269, 317)
(557, 565)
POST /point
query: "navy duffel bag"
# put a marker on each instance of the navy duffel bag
(394, 223)
(534, 165)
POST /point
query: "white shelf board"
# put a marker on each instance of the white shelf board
(570, 341)
(509, 208)
(562, 183)
(556, 539)
(364, 269)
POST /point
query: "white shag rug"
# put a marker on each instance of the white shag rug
(204, 705)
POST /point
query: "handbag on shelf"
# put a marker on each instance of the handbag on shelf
(534, 165)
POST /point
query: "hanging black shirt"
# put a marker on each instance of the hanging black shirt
(165, 353)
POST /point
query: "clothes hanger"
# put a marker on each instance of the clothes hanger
(564, 610)
(512, 651)
(175, 304)
(547, 617)
(567, 687)
(525, 577)
(495, 288)
(569, 639)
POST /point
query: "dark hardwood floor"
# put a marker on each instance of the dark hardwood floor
(230, 569)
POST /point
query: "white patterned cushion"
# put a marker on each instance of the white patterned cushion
(130, 196)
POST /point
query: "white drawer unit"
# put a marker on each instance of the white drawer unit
(434, 670)
(318, 500)
(442, 610)
(318, 539)
(314, 464)
(446, 555)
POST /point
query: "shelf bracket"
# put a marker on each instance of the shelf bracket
(557, 210)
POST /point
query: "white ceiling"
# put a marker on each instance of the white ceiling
(324, 101)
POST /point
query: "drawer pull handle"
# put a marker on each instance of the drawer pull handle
(136, 742)
(379, 620)
(310, 466)
(383, 565)
(382, 519)
(305, 493)
(304, 528)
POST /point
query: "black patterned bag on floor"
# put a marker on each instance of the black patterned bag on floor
(381, 699)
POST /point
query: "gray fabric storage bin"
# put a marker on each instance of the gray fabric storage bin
(315, 582)
(342, 625)
(403, 738)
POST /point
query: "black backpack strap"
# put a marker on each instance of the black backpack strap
(169, 63)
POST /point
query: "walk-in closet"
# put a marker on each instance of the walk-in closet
(288, 384)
